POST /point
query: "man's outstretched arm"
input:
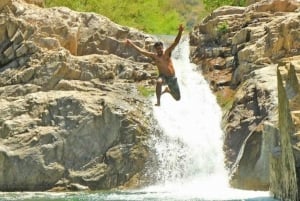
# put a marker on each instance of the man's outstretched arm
(140, 50)
(177, 39)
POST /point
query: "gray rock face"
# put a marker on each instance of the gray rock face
(239, 51)
(71, 116)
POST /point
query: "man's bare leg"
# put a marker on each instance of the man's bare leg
(158, 92)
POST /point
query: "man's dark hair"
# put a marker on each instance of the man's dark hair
(157, 44)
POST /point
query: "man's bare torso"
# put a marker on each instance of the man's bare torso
(164, 65)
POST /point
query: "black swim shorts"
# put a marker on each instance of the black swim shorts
(172, 83)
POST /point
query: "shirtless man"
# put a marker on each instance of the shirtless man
(165, 66)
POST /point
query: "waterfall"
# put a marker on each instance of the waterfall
(192, 125)
(189, 152)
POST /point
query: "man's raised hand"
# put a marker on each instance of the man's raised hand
(181, 28)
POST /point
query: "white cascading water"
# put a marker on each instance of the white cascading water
(190, 149)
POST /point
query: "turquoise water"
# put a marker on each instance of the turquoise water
(123, 196)
(190, 153)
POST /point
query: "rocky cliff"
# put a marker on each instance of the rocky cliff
(250, 57)
(71, 114)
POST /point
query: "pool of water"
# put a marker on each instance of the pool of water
(138, 195)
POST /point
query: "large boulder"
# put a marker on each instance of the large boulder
(71, 115)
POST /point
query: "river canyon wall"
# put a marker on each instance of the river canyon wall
(71, 114)
(250, 57)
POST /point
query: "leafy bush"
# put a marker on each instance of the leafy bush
(151, 16)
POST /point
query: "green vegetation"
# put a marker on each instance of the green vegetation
(150, 16)
(192, 11)
(211, 5)
(145, 91)
(222, 28)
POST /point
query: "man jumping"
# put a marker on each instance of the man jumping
(163, 61)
